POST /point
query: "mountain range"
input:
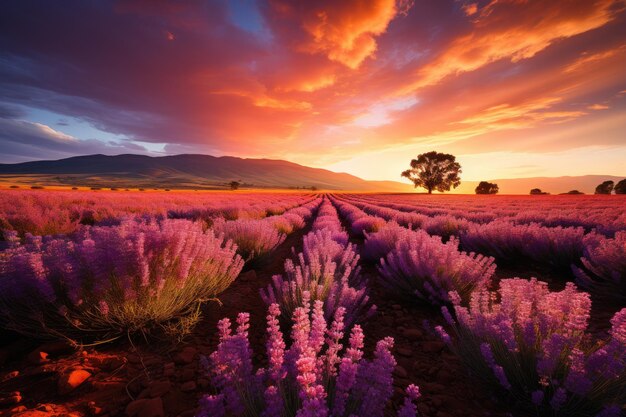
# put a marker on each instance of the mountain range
(191, 171)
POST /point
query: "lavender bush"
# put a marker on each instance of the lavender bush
(532, 343)
(604, 265)
(423, 266)
(254, 238)
(555, 246)
(110, 280)
(316, 376)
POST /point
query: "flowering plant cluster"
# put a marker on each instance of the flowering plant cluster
(604, 265)
(256, 238)
(360, 222)
(555, 246)
(326, 269)
(113, 279)
(51, 212)
(316, 376)
(423, 266)
(533, 343)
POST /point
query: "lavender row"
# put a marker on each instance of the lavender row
(105, 281)
(318, 375)
(327, 269)
(61, 212)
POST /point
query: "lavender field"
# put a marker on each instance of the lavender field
(284, 304)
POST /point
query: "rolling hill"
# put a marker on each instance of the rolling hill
(186, 171)
(210, 172)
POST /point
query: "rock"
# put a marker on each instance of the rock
(432, 346)
(168, 369)
(45, 407)
(72, 380)
(19, 409)
(400, 372)
(13, 398)
(188, 386)
(159, 388)
(413, 334)
(37, 357)
(433, 387)
(152, 407)
(10, 375)
(404, 351)
(93, 409)
(186, 355)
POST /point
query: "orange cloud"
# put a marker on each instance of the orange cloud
(536, 26)
(345, 31)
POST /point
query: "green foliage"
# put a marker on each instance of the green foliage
(434, 171)
(605, 188)
(487, 188)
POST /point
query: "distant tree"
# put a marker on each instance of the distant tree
(537, 191)
(313, 188)
(434, 171)
(620, 187)
(485, 187)
(605, 188)
(14, 186)
(574, 192)
(234, 185)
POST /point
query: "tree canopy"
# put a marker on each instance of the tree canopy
(485, 187)
(434, 171)
(605, 188)
(620, 187)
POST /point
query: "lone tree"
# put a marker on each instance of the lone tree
(485, 187)
(537, 191)
(234, 185)
(434, 171)
(605, 188)
(620, 187)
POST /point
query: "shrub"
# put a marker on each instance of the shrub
(316, 376)
(555, 246)
(423, 266)
(325, 270)
(378, 245)
(367, 224)
(254, 238)
(532, 343)
(604, 265)
(107, 281)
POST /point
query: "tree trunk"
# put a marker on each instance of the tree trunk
(430, 190)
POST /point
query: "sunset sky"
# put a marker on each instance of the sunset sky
(513, 88)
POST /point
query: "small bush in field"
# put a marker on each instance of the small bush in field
(555, 246)
(325, 270)
(109, 280)
(604, 265)
(378, 245)
(532, 343)
(422, 266)
(315, 376)
(254, 238)
(367, 224)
